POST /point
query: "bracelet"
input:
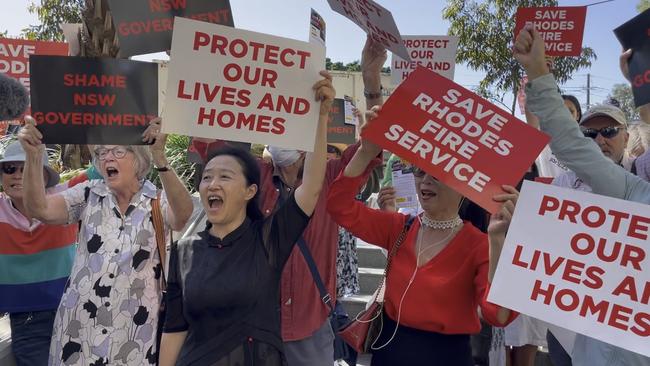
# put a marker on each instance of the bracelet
(162, 168)
(369, 95)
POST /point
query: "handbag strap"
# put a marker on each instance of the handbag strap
(393, 251)
(159, 228)
(318, 280)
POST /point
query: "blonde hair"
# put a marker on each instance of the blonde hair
(639, 139)
(143, 160)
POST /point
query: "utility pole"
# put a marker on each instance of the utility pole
(588, 90)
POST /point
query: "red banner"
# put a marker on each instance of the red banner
(456, 136)
(561, 27)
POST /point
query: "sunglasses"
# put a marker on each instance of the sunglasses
(418, 173)
(10, 169)
(606, 132)
(119, 152)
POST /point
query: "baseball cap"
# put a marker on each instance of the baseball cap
(605, 110)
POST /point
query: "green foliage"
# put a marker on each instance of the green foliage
(176, 152)
(51, 14)
(623, 94)
(486, 31)
(642, 5)
(354, 66)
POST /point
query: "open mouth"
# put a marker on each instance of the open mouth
(215, 202)
(111, 172)
(16, 186)
(426, 193)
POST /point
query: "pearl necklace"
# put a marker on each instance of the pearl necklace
(440, 225)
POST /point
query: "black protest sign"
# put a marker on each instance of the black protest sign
(635, 34)
(80, 100)
(338, 132)
(145, 26)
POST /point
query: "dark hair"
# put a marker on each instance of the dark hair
(251, 170)
(575, 102)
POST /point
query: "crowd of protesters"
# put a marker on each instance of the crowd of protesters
(83, 274)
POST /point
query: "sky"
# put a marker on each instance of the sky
(290, 18)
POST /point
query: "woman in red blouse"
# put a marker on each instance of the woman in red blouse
(440, 275)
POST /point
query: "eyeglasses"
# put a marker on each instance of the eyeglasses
(119, 152)
(606, 132)
(10, 168)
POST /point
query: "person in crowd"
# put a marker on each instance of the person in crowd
(239, 257)
(547, 164)
(607, 126)
(433, 260)
(108, 314)
(585, 159)
(35, 259)
(306, 331)
(637, 145)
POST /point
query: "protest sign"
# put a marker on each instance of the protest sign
(404, 183)
(561, 27)
(145, 26)
(350, 117)
(258, 87)
(375, 20)
(635, 34)
(316, 28)
(579, 261)
(456, 136)
(436, 53)
(81, 100)
(338, 131)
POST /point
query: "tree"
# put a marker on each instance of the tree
(353, 66)
(51, 14)
(623, 94)
(485, 30)
(643, 5)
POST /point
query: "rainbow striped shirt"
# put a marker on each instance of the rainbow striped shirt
(35, 259)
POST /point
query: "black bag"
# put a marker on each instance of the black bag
(337, 317)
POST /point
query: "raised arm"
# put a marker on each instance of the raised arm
(316, 162)
(48, 209)
(578, 153)
(373, 58)
(180, 205)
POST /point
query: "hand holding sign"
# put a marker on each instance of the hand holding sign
(387, 199)
(373, 57)
(499, 224)
(529, 52)
(325, 92)
(623, 61)
(31, 138)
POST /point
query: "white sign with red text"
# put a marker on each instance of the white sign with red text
(375, 20)
(436, 53)
(580, 261)
(239, 85)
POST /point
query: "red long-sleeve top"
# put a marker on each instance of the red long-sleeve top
(447, 291)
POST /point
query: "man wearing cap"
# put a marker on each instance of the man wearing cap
(35, 261)
(607, 126)
(573, 147)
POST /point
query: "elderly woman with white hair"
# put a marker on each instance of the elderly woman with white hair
(109, 311)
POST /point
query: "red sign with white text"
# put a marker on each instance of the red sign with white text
(456, 136)
(561, 27)
(14, 61)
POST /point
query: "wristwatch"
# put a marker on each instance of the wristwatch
(369, 95)
(162, 168)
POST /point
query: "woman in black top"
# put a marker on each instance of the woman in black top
(223, 285)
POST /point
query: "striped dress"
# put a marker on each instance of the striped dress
(35, 260)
